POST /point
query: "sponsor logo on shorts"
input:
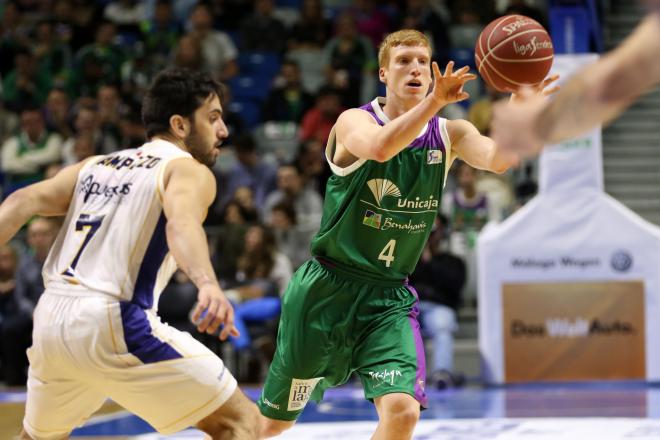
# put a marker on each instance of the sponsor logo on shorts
(433, 157)
(271, 404)
(372, 219)
(301, 390)
(385, 376)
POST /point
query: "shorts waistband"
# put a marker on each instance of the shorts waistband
(75, 290)
(354, 273)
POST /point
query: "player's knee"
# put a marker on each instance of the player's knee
(400, 411)
(272, 428)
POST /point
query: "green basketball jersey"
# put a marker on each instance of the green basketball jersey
(377, 217)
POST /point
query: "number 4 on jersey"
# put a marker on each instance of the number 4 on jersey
(387, 254)
(88, 225)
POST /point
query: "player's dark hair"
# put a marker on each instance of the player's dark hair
(176, 91)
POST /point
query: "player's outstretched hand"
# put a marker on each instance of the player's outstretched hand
(212, 310)
(516, 124)
(448, 87)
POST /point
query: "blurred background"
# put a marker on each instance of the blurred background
(73, 73)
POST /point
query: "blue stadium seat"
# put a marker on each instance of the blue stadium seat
(249, 111)
(262, 64)
(462, 57)
(245, 88)
(297, 4)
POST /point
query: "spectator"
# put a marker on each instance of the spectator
(370, 21)
(125, 14)
(291, 240)
(15, 322)
(312, 30)
(14, 34)
(480, 112)
(307, 202)
(26, 155)
(41, 233)
(429, 17)
(465, 28)
(244, 196)
(110, 108)
(263, 274)
(58, 113)
(25, 83)
(181, 295)
(261, 31)
(188, 53)
(97, 63)
(131, 129)
(53, 55)
(218, 51)
(83, 147)
(9, 123)
(87, 122)
(319, 120)
(137, 73)
(287, 101)
(439, 279)
(230, 240)
(315, 170)
(347, 58)
(468, 211)
(249, 171)
(161, 34)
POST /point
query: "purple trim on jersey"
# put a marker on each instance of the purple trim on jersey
(138, 337)
(431, 138)
(143, 293)
(482, 203)
(370, 109)
(420, 377)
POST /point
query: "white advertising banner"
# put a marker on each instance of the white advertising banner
(569, 286)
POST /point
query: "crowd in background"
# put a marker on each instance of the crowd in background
(72, 76)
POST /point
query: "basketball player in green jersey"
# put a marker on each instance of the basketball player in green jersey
(349, 309)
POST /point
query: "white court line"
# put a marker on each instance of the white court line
(475, 429)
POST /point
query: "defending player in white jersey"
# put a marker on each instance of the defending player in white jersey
(131, 218)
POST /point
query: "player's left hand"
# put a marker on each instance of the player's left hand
(514, 126)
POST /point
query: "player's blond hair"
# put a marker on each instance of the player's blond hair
(404, 37)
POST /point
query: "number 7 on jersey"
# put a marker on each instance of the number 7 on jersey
(88, 224)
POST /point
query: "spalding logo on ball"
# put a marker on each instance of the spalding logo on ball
(513, 51)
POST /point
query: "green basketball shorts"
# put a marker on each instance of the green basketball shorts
(333, 325)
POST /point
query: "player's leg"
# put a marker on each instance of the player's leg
(310, 355)
(59, 397)
(398, 414)
(168, 378)
(237, 418)
(390, 361)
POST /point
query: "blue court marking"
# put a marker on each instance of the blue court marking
(12, 396)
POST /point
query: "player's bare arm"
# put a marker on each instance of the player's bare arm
(482, 152)
(597, 94)
(189, 190)
(359, 136)
(46, 198)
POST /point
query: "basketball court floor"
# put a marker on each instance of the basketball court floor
(531, 412)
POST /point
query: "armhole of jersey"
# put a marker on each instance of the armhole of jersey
(330, 151)
(444, 135)
(94, 160)
(160, 179)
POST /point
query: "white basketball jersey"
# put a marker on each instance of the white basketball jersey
(113, 239)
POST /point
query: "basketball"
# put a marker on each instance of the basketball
(513, 51)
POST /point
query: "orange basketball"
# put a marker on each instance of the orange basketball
(512, 51)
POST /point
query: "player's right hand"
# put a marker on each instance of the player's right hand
(448, 87)
(212, 310)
